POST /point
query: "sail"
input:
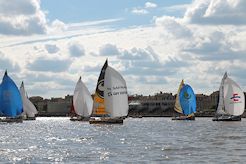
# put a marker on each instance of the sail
(187, 100)
(233, 98)
(221, 105)
(115, 94)
(177, 106)
(98, 103)
(10, 98)
(82, 100)
(28, 108)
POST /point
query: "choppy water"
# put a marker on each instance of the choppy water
(145, 140)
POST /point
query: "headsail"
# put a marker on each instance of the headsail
(28, 107)
(177, 106)
(234, 98)
(82, 100)
(10, 98)
(98, 103)
(115, 94)
(187, 100)
(221, 106)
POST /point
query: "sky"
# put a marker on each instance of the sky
(49, 44)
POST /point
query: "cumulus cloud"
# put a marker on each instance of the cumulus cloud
(173, 26)
(7, 64)
(138, 54)
(108, 50)
(22, 17)
(57, 26)
(150, 5)
(49, 65)
(90, 68)
(217, 12)
(33, 77)
(176, 8)
(150, 58)
(51, 48)
(76, 50)
(144, 10)
(139, 11)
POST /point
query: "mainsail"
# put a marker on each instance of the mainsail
(221, 105)
(98, 103)
(10, 98)
(115, 94)
(177, 106)
(187, 100)
(234, 99)
(82, 101)
(28, 107)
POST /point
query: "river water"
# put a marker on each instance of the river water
(138, 140)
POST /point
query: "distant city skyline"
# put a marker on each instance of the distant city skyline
(153, 44)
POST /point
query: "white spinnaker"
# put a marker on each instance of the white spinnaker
(234, 98)
(28, 108)
(221, 105)
(82, 100)
(115, 94)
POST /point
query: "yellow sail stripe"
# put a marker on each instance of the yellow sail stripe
(191, 115)
(98, 105)
(177, 106)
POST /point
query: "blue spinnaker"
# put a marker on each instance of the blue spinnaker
(187, 100)
(10, 98)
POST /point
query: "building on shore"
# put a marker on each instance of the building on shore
(54, 106)
(164, 102)
(152, 105)
(157, 104)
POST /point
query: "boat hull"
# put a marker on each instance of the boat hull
(29, 118)
(227, 118)
(12, 120)
(106, 121)
(79, 118)
(184, 118)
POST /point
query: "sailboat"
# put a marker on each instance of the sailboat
(72, 113)
(10, 101)
(185, 103)
(29, 109)
(231, 101)
(82, 102)
(110, 104)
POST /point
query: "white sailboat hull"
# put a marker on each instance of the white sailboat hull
(227, 118)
